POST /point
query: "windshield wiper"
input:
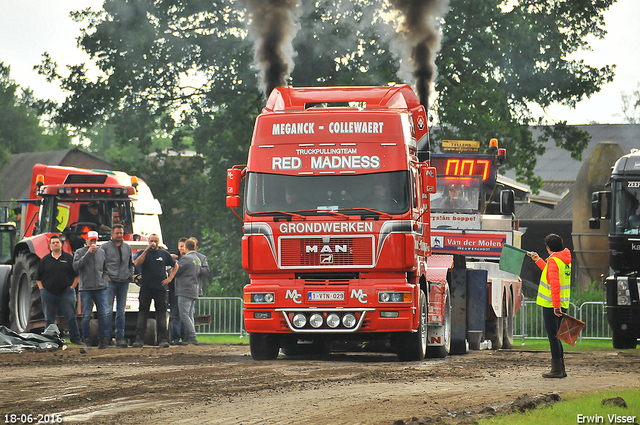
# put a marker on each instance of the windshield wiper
(322, 211)
(370, 210)
(288, 215)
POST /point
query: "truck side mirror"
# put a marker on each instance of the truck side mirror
(428, 178)
(507, 202)
(234, 175)
(596, 207)
(594, 223)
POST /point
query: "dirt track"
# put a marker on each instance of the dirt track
(221, 384)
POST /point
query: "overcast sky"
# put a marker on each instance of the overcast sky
(29, 28)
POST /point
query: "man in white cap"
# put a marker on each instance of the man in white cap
(91, 263)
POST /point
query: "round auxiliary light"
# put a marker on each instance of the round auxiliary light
(268, 298)
(333, 321)
(299, 320)
(316, 320)
(349, 320)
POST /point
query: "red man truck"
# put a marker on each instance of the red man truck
(336, 214)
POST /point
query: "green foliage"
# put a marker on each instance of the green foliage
(180, 76)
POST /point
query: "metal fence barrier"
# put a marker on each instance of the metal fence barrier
(529, 323)
(226, 318)
(225, 313)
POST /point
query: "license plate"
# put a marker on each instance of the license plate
(326, 296)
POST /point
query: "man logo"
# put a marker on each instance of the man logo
(293, 295)
(326, 248)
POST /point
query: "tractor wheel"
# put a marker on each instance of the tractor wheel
(412, 346)
(24, 295)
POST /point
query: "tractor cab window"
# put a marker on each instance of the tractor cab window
(626, 207)
(456, 194)
(47, 220)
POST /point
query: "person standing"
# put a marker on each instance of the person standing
(205, 271)
(57, 281)
(153, 263)
(188, 289)
(91, 263)
(554, 292)
(119, 272)
(176, 326)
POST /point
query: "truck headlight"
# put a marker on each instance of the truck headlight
(394, 297)
(333, 321)
(260, 298)
(349, 320)
(316, 320)
(624, 296)
(299, 320)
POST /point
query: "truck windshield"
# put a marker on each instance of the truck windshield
(456, 194)
(384, 192)
(626, 207)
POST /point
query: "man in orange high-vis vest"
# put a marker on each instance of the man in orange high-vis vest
(554, 292)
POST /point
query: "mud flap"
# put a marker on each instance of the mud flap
(476, 306)
(458, 288)
(435, 335)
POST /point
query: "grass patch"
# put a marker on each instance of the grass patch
(567, 410)
(584, 345)
(223, 339)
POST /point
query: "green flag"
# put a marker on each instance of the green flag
(511, 259)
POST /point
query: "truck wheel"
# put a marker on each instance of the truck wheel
(263, 346)
(495, 332)
(24, 295)
(621, 341)
(412, 346)
(443, 351)
(507, 322)
(151, 335)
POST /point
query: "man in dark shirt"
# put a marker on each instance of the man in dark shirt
(91, 216)
(153, 263)
(57, 280)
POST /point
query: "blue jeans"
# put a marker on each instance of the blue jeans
(67, 303)
(552, 324)
(187, 308)
(118, 290)
(176, 326)
(100, 298)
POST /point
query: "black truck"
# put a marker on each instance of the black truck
(621, 205)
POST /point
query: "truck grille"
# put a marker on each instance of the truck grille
(337, 252)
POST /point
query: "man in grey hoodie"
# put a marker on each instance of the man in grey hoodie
(90, 262)
(119, 271)
(188, 281)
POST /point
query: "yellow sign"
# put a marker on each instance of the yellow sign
(62, 218)
(460, 146)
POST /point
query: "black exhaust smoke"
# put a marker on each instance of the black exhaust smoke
(420, 41)
(272, 25)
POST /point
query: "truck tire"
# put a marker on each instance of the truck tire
(412, 346)
(440, 352)
(263, 346)
(507, 322)
(622, 341)
(24, 295)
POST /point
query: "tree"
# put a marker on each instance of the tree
(184, 72)
(496, 60)
(631, 106)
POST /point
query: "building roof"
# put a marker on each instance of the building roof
(15, 178)
(562, 211)
(556, 163)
